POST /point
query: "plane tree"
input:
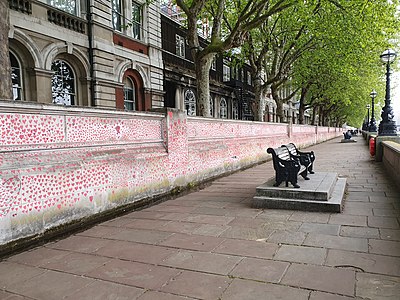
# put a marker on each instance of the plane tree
(326, 50)
(272, 48)
(230, 22)
(342, 70)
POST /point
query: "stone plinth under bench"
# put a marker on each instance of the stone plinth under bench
(323, 192)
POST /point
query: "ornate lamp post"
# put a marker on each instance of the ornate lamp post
(367, 123)
(387, 127)
(372, 123)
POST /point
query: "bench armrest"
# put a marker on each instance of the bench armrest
(292, 163)
(303, 159)
(310, 153)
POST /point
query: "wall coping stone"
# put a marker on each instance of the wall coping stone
(392, 145)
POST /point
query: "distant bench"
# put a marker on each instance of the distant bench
(289, 162)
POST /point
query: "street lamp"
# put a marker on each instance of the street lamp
(367, 123)
(387, 127)
(372, 123)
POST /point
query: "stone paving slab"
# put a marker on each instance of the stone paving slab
(321, 278)
(378, 287)
(336, 242)
(212, 245)
(202, 261)
(198, 285)
(132, 251)
(331, 229)
(260, 270)
(365, 262)
(254, 290)
(134, 274)
(301, 254)
(99, 290)
(245, 248)
(50, 285)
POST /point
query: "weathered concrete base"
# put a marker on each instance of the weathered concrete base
(323, 192)
(348, 141)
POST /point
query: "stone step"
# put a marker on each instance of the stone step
(318, 188)
(333, 204)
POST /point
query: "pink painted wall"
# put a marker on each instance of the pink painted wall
(60, 164)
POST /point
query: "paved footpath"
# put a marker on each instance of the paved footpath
(211, 244)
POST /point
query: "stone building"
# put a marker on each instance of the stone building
(119, 54)
(231, 90)
(96, 53)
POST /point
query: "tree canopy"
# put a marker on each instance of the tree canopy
(230, 21)
(327, 50)
(344, 67)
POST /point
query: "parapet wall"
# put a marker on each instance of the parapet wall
(391, 159)
(60, 164)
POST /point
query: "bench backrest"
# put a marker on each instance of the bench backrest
(292, 148)
(280, 153)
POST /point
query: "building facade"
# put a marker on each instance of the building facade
(87, 53)
(120, 54)
(231, 91)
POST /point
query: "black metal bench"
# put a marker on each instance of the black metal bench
(306, 158)
(287, 167)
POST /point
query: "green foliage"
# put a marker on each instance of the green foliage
(330, 48)
(344, 65)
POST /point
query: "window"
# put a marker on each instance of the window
(248, 78)
(236, 72)
(16, 78)
(190, 103)
(136, 21)
(214, 63)
(226, 71)
(222, 109)
(211, 106)
(235, 111)
(62, 83)
(69, 6)
(129, 94)
(180, 45)
(117, 17)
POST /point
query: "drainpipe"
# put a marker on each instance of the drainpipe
(90, 40)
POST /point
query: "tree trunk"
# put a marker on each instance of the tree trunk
(320, 116)
(301, 114)
(302, 105)
(202, 66)
(279, 103)
(259, 105)
(315, 109)
(5, 70)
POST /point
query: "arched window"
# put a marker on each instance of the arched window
(223, 108)
(62, 83)
(129, 94)
(235, 111)
(190, 103)
(16, 77)
(211, 106)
